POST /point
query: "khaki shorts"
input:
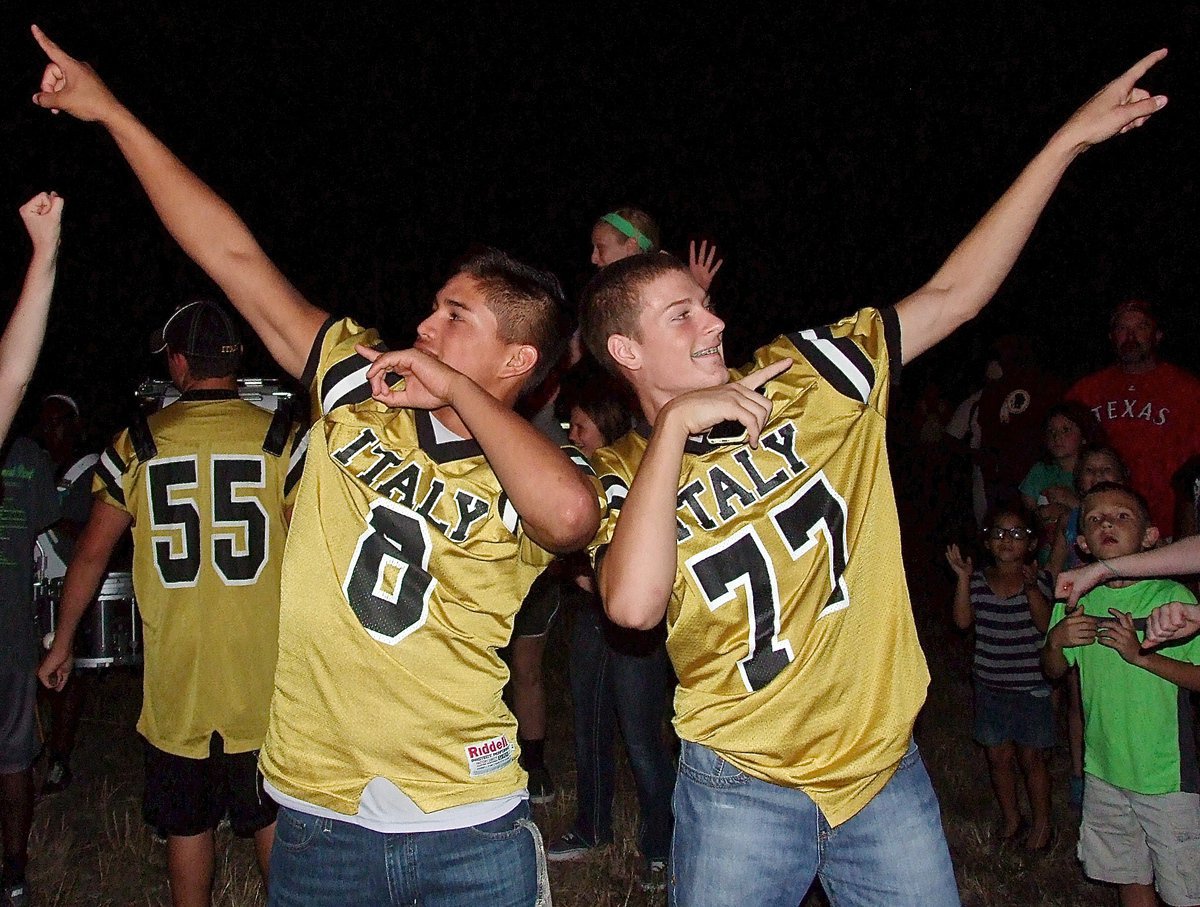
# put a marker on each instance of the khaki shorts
(1134, 839)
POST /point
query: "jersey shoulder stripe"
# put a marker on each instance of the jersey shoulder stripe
(335, 374)
(109, 470)
(296, 462)
(838, 360)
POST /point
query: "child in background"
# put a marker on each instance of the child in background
(1141, 812)
(1008, 602)
(1094, 465)
(1049, 487)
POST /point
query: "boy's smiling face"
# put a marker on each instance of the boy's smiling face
(1113, 523)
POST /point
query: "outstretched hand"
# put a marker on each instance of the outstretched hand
(701, 265)
(962, 566)
(736, 401)
(1117, 107)
(42, 216)
(1074, 584)
(428, 382)
(71, 85)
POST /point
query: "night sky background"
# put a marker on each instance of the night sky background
(836, 152)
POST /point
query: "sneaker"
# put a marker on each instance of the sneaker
(541, 786)
(16, 894)
(569, 847)
(654, 876)
(58, 777)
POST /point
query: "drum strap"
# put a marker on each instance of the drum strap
(143, 441)
(281, 426)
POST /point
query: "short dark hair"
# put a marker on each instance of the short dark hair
(1100, 450)
(611, 303)
(1102, 487)
(1081, 417)
(528, 302)
(587, 386)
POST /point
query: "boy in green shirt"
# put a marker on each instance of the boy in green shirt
(1141, 806)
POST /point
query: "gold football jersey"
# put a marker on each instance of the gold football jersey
(405, 568)
(207, 505)
(789, 625)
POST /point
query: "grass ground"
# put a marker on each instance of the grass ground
(90, 847)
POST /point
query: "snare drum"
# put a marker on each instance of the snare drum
(110, 633)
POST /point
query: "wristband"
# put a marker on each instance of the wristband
(1109, 567)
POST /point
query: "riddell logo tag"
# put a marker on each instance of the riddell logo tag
(489, 756)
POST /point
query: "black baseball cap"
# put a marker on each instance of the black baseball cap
(200, 329)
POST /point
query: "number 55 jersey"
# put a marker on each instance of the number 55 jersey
(789, 624)
(405, 568)
(205, 481)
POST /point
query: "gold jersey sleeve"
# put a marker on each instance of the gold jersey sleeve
(405, 568)
(789, 626)
(207, 505)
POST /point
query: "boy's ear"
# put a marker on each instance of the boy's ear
(1149, 537)
(522, 360)
(1081, 544)
(624, 351)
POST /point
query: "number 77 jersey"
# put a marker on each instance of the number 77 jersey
(789, 625)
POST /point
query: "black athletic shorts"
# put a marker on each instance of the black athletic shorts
(540, 605)
(186, 797)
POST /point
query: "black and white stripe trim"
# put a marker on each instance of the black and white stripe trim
(110, 468)
(345, 383)
(576, 456)
(508, 513)
(615, 491)
(839, 360)
(296, 462)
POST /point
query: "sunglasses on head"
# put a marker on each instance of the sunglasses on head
(999, 533)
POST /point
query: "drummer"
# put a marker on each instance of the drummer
(204, 482)
(60, 432)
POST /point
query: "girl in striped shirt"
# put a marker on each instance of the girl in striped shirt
(1008, 602)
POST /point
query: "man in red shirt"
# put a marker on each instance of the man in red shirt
(1149, 409)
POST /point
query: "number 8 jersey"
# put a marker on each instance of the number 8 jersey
(789, 625)
(207, 504)
(405, 568)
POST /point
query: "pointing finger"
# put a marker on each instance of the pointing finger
(53, 51)
(765, 374)
(1141, 67)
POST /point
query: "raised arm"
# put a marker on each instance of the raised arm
(969, 278)
(22, 339)
(207, 229)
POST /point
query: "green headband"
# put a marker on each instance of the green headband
(617, 221)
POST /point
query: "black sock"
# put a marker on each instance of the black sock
(14, 870)
(533, 753)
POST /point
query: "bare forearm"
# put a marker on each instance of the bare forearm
(1180, 673)
(23, 336)
(1039, 608)
(638, 572)
(79, 589)
(963, 613)
(555, 499)
(1054, 663)
(970, 276)
(213, 236)
(1182, 557)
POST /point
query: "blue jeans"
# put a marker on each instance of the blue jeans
(739, 840)
(318, 862)
(620, 677)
